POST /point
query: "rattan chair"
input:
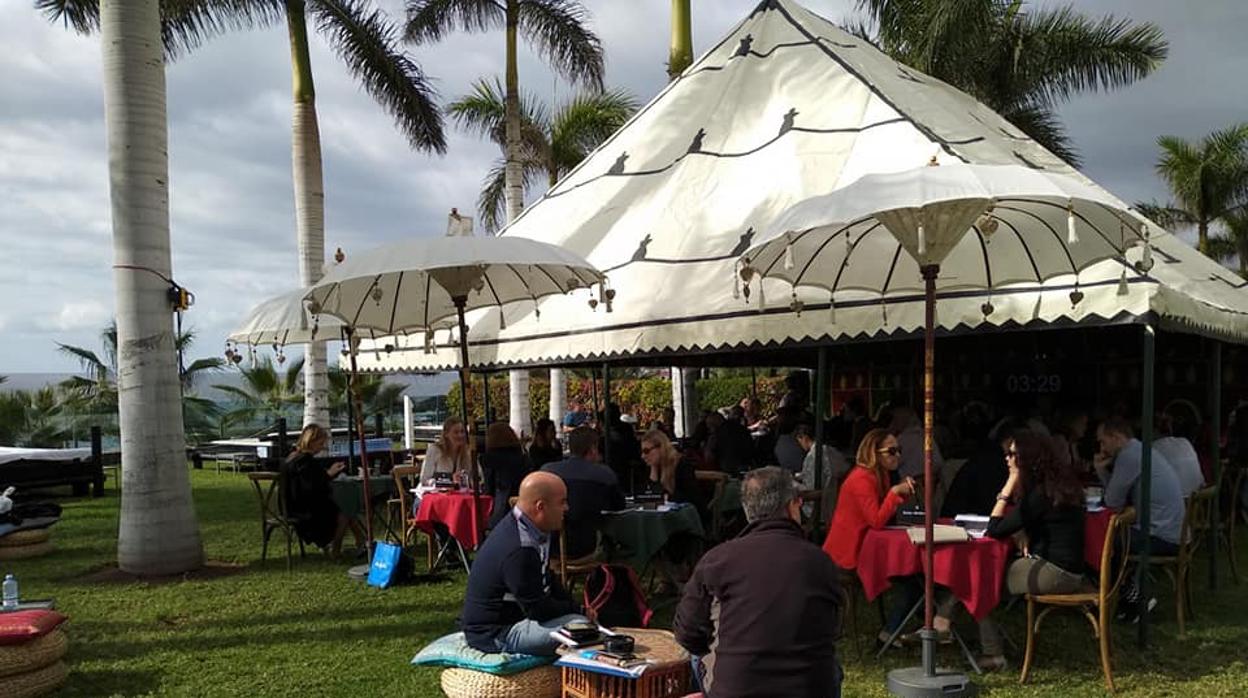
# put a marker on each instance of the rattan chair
(1101, 600)
(401, 509)
(273, 515)
(1178, 567)
(719, 481)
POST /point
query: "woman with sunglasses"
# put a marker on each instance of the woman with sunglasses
(670, 473)
(867, 502)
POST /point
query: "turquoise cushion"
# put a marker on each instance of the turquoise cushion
(453, 650)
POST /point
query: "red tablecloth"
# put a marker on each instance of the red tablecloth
(454, 509)
(1095, 528)
(974, 571)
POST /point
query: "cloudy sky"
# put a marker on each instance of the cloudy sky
(229, 121)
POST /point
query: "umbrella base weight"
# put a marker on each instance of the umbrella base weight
(913, 682)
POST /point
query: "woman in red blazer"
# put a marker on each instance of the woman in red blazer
(866, 502)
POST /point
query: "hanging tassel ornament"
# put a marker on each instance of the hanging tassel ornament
(537, 310)
(502, 319)
(736, 284)
(796, 305)
(1072, 234)
(922, 240)
(788, 253)
(428, 342)
(1145, 264)
(831, 310)
(1123, 289)
(884, 312)
(762, 296)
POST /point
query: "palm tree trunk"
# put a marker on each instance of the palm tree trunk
(309, 203)
(513, 193)
(158, 533)
(681, 55)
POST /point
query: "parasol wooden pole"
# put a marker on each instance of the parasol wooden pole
(359, 430)
(469, 431)
(929, 418)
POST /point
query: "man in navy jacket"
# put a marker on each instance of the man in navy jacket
(513, 600)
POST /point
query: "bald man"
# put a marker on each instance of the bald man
(513, 600)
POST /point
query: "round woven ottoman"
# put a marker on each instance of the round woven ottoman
(31, 656)
(22, 552)
(27, 537)
(542, 682)
(39, 682)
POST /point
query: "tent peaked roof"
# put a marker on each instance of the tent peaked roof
(785, 107)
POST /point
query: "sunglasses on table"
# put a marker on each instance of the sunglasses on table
(891, 450)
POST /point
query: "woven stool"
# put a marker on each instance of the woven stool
(27, 537)
(36, 654)
(542, 682)
(39, 682)
(22, 552)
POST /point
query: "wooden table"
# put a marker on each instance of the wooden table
(668, 677)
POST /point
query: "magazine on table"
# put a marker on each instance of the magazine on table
(600, 662)
(941, 533)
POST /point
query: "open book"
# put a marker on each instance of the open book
(940, 534)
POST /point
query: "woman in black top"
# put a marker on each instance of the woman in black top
(505, 466)
(545, 447)
(670, 474)
(307, 497)
(1050, 513)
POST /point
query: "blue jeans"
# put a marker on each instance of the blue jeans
(532, 637)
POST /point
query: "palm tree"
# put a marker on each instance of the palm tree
(680, 55)
(1233, 243)
(552, 144)
(32, 418)
(366, 41)
(266, 392)
(158, 532)
(376, 395)
(1021, 61)
(557, 29)
(1208, 179)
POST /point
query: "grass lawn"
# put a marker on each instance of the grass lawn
(315, 632)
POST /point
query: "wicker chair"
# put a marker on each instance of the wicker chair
(273, 515)
(1178, 567)
(400, 509)
(1101, 600)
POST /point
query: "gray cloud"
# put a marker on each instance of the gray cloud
(232, 216)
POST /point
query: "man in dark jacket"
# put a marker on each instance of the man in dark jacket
(513, 600)
(592, 489)
(769, 638)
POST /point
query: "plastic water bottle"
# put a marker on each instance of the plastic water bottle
(10, 593)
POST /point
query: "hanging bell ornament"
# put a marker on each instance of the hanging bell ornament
(339, 255)
(376, 294)
(796, 305)
(987, 308)
(1075, 296)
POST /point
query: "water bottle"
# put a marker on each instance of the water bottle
(10, 593)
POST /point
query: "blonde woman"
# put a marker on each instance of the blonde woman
(449, 454)
(670, 473)
(309, 501)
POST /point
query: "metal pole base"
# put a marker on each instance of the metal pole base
(914, 682)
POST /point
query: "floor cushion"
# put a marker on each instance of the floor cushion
(26, 537)
(23, 552)
(36, 654)
(542, 682)
(453, 651)
(20, 627)
(39, 682)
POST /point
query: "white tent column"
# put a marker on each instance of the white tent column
(684, 400)
(407, 422)
(558, 395)
(518, 391)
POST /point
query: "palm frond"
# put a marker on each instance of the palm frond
(1165, 215)
(483, 111)
(293, 373)
(368, 43)
(558, 30)
(430, 20)
(585, 122)
(491, 204)
(1042, 125)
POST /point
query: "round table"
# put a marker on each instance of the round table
(1095, 528)
(348, 492)
(637, 535)
(667, 677)
(974, 571)
(455, 511)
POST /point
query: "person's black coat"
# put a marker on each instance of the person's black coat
(504, 469)
(686, 491)
(541, 455)
(307, 498)
(974, 489)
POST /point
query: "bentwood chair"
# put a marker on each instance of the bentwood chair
(718, 481)
(1178, 567)
(1233, 484)
(1096, 605)
(267, 487)
(569, 569)
(402, 509)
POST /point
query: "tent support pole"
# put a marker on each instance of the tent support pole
(1215, 452)
(485, 398)
(1146, 477)
(822, 381)
(606, 420)
(930, 272)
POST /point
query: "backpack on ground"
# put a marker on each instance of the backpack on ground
(614, 593)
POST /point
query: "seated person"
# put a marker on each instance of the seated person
(306, 490)
(449, 454)
(767, 605)
(908, 429)
(505, 465)
(670, 474)
(575, 417)
(1120, 448)
(835, 468)
(546, 447)
(974, 489)
(592, 489)
(1176, 445)
(513, 599)
(866, 502)
(729, 445)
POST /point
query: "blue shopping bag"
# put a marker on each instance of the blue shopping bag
(384, 569)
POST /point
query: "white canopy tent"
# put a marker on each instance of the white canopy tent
(787, 107)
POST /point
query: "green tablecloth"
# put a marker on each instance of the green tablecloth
(348, 493)
(635, 537)
(730, 500)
